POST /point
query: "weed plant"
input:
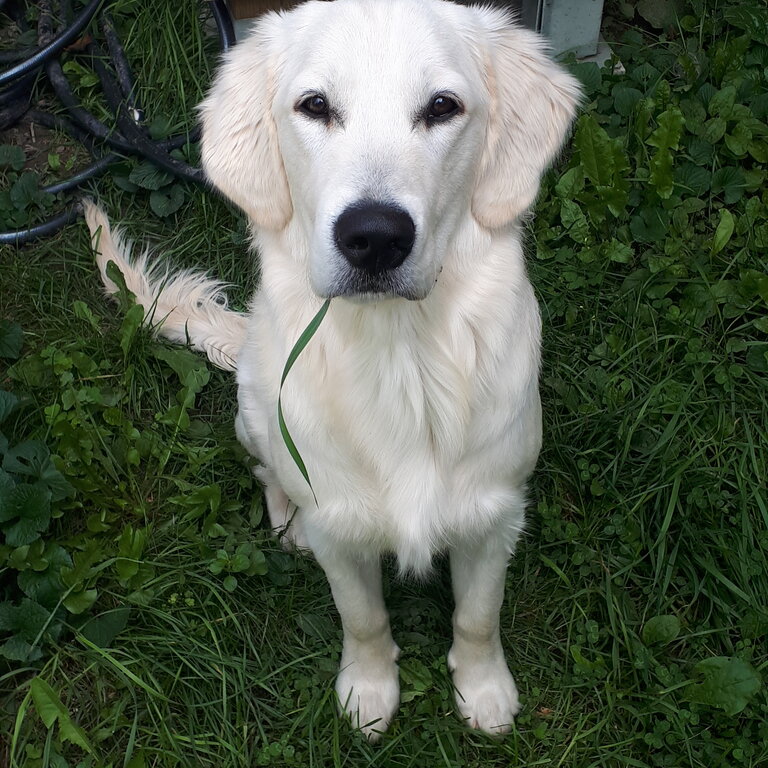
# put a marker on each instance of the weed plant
(148, 619)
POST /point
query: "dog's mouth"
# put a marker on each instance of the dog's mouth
(364, 288)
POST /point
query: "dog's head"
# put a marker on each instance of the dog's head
(379, 126)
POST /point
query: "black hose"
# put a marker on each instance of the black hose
(131, 130)
(119, 61)
(47, 228)
(14, 100)
(119, 93)
(81, 116)
(223, 19)
(93, 170)
(47, 52)
(6, 57)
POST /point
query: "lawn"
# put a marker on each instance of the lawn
(148, 619)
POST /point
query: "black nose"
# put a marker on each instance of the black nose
(374, 237)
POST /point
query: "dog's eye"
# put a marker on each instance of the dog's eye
(315, 106)
(442, 107)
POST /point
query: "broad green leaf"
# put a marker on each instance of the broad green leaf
(574, 221)
(167, 200)
(669, 127)
(18, 649)
(54, 481)
(132, 321)
(26, 190)
(26, 458)
(759, 151)
(729, 182)
(160, 127)
(721, 104)
(661, 13)
(661, 630)
(8, 401)
(317, 626)
(130, 549)
(416, 677)
(757, 358)
(149, 176)
(714, 130)
(11, 339)
(650, 225)
(739, 140)
(701, 152)
(137, 761)
(625, 99)
(83, 564)
(7, 490)
(230, 583)
(83, 312)
(51, 710)
(618, 252)
(695, 113)
(80, 602)
(44, 587)
(68, 731)
(754, 625)
(570, 183)
(661, 173)
(728, 684)
(724, 231)
(589, 74)
(125, 298)
(31, 620)
(749, 17)
(31, 458)
(8, 613)
(258, 564)
(12, 156)
(239, 563)
(759, 106)
(692, 179)
(199, 501)
(30, 507)
(594, 147)
(124, 183)
(191, 369)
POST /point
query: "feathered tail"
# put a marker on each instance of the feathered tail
(185, 307)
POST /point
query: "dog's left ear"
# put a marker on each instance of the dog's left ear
(240, 148)
(533, 101)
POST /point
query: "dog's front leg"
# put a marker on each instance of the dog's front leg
(368, 685)
(486, 694)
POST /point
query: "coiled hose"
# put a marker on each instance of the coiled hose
(129, 137)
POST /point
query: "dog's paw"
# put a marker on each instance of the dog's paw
(486, 695)
(369, 694)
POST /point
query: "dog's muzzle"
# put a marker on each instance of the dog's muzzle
(374, 237)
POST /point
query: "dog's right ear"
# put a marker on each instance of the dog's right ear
(240, 149)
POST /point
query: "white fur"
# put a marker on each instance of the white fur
(186, 307)
(418, 420)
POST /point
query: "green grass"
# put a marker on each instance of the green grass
(177, 633)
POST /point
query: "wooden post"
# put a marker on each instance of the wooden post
(248, 9)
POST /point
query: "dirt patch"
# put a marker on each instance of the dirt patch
(48, 153)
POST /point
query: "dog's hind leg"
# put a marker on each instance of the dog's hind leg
(285, 518)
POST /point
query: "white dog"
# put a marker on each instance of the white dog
(384, 152)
